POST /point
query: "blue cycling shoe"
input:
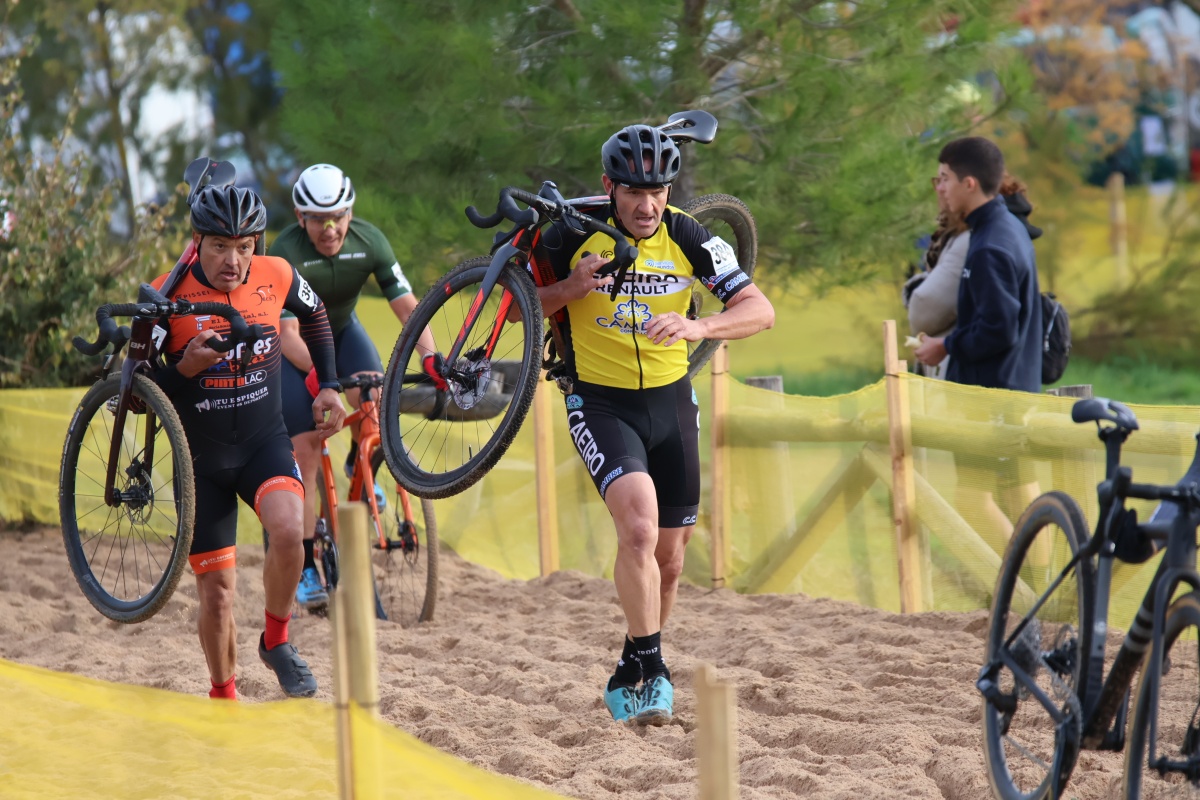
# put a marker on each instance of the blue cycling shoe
(621, 700)
(380, 497)
(655, 702)
(310, 593)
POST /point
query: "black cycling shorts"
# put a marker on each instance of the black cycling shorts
(655, 431)
(354, 353)
(266, 467)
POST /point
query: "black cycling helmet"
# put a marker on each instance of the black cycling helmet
(228, 211)
(626, 152)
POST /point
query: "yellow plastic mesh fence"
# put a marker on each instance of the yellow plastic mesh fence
(809, 492)
(808, 484)
(69, 736)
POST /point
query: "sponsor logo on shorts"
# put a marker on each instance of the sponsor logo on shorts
(689, 520)
(574, 401)
(593, 459)
(608, 479)
(214, 560)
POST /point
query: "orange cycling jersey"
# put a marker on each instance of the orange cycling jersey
(237, 400)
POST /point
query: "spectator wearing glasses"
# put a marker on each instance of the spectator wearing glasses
(337, 254)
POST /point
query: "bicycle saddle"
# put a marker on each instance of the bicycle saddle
(1097, 409)
(691, 126)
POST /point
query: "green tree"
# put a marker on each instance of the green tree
(100, 59)
(830, 113)
(58, 259)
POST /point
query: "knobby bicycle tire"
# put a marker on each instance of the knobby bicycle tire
(1177, 725)
(420, 451)
(330, 557)
(1053, 648)
(730, 214)
(129, 559)
(406, 581)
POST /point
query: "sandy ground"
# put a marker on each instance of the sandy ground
(833, 700)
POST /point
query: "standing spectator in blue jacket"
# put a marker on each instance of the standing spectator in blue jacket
(997, 341)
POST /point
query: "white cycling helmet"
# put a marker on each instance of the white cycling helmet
(322, 188)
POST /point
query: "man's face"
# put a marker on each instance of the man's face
(327, 232)
(225, 261)
(955, 196)
(640, 210)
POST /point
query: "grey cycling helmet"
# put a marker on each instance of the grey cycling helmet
(228, 211)
(322, 188)
(627, 152)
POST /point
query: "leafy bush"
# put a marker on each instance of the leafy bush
(58, 257)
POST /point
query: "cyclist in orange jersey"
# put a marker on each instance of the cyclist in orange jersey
(230, 407)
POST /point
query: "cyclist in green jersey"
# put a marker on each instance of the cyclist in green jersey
(337, 254)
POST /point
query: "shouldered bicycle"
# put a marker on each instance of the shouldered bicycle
(1046, 695)
(488, 309)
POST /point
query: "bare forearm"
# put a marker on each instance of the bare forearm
(740, 320)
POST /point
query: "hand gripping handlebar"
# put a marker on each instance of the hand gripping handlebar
(155, 305)
(555, 208)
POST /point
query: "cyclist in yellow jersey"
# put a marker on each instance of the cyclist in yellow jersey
(631, 412)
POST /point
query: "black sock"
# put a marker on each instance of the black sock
(309, 561)
(353, 454)
(649, 654)
(629, 670)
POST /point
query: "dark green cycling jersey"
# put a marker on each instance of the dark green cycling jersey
(338, 281)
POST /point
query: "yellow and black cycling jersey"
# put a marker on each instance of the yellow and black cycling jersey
(606, 339)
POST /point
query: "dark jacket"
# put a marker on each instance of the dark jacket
(998, 341)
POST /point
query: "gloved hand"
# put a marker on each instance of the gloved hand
(433, 364)
(311, 383)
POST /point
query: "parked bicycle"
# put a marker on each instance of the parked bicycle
(126, 490)
(1046, 696)
(403, 550)
(429, 451)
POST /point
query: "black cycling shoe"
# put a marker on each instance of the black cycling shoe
(295, 678)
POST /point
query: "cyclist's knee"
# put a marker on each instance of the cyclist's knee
(282, 513)
(216, 591)
(638, 536)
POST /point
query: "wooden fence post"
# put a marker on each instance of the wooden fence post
(716, 736)
(909, 552)
(1118, 228)
(719, 523)
(356, 668)
(547, 491)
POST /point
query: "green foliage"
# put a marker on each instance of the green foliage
(1154, 319)
(96, 61)
(59, 261)
(831, 114)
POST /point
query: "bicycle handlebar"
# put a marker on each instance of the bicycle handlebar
(554, 209)
(159, 306)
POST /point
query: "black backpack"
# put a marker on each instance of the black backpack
(1056, 338)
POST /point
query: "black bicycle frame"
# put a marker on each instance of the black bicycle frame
(145, 337)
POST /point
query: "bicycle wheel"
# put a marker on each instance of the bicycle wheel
(127, 559)
(439, 443)
(1029, 753)
(406, 573)
(729, 218)
(1178, 715)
